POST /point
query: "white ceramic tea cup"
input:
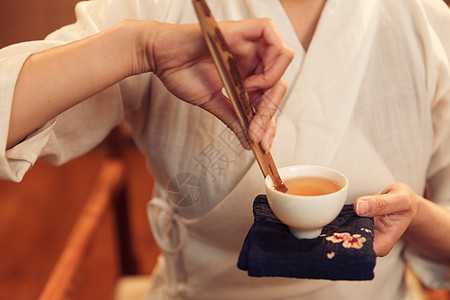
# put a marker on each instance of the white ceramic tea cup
(307, 215)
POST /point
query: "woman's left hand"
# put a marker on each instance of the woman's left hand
(393, 210)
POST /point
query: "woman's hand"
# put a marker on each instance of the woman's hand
(393, 210)
(400, 213)
(178, 55)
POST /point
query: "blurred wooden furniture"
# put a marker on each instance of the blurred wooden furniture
(109, 192)
(38, 215)
(108, 185)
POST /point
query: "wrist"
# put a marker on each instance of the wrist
(417, 220)
(134, 42)
(144, 34)
(428, 231)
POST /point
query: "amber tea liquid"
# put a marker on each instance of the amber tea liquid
(310, 186)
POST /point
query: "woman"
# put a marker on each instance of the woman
(369, 95)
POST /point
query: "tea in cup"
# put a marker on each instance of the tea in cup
(315, 197)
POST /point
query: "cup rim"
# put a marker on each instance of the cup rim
(269, 183)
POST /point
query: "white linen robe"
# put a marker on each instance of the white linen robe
(371, 98)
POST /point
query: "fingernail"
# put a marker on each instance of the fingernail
(362, 207)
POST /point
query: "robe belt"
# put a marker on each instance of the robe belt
(171, 235)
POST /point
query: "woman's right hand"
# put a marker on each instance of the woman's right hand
(56, 79)
(178, 55)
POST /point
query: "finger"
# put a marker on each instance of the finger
(269, 135)
(235, 126)
(383, 244)
(271, 72)
(254, 30)
(382, 204)
(274, 49)
(263, 37)
(265, 109)
(388, 230)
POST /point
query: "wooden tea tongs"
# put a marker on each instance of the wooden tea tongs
(232, 81)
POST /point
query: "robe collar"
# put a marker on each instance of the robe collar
(323, 82)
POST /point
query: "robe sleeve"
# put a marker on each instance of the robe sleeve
(81, 128)
(432, 274)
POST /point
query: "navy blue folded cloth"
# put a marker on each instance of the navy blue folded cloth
(344, 250)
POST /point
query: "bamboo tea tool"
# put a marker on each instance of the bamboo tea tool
(232, 81)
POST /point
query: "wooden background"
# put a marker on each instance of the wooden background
(23, 20)
(37, 215)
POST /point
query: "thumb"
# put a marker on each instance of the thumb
(394, 199)
(374, 205)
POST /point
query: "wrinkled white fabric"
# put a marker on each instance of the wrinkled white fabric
(370, 97)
